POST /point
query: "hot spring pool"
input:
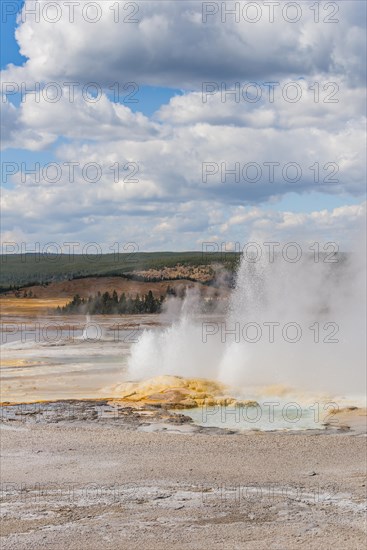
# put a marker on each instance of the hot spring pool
(267, 416)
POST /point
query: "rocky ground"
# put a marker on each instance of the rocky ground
(99, 474)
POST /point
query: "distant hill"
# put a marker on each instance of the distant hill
(19, 270)
(88, 286)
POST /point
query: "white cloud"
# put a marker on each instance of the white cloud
(325, 101)
(171, 46)
(15, 133)
(177, 227)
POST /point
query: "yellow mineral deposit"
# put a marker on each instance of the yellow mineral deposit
(177, 392)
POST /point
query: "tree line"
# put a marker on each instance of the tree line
(107, 303)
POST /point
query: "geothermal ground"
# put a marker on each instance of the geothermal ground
(95, 460)
(144, 477)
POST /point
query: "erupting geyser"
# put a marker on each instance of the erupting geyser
(299, 325)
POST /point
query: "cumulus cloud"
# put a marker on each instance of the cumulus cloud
(18, 134)
(180, 189)
(324, 101)
(175, 44)
(38, 122)
(176, 226)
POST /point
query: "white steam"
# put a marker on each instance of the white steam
(294, 296)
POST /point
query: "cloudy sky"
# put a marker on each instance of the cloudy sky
(170, 123)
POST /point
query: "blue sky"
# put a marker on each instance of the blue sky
(10, 53)
(169, 133)
(150, 97)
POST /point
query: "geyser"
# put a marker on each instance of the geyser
(297, 325)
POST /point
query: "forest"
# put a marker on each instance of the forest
(106, 303)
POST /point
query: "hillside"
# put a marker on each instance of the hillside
(90, 286)
(27, 269)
